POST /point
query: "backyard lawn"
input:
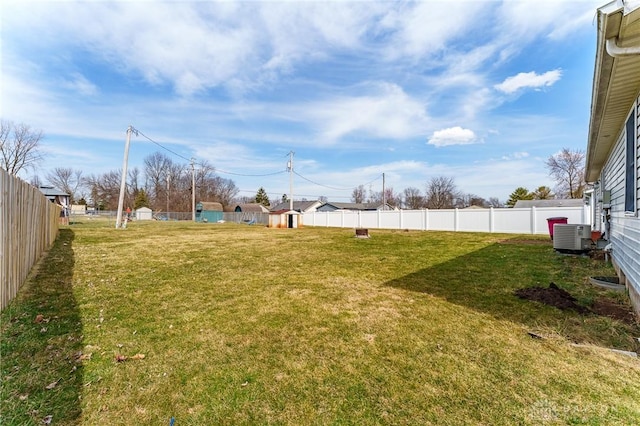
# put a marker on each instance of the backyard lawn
(235, 324)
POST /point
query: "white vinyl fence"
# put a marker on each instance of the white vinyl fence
(503, 220)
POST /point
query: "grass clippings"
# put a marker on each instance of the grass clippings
(250, 325)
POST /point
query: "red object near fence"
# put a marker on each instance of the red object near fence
(552, 221)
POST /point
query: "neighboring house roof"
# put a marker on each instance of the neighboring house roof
(527, 204)
(299, 206)
(211, 206)
(251, 208)
(50, 191)
(55, 195)
(616, 80)
(284, 211)
(353, 206)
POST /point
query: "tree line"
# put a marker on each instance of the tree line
(166, 185)
(162, 185)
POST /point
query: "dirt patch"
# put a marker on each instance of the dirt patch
(562, 299)
(552, 296)
(611, 309)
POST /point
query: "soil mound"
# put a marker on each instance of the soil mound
(562, 299)
(552, 296)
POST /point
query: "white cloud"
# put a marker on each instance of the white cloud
(79, 84)
(525, 20)
(516, 156)
(531, 79)
(388, 112)
(452, 136)
(424, 28)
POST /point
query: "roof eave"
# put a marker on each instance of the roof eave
(605, 119)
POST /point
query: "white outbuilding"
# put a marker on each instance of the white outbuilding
(144, 213)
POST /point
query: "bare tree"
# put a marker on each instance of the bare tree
(35, 181)
(18, 146)
(567, 168)
(205, 186)
(68, 180)
(494, 202)
(441, 193)
(468, 200)
(359, 194)
(413, 199)
(105, 190)
(156, 169)
(389, 196)
(224, 190)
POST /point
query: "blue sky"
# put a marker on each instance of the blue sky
(481, 91)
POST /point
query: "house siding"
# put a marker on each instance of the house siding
(624, 228)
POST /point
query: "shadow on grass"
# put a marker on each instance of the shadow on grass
(485, 281)
(41, 335)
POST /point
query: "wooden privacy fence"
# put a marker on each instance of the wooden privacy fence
(28, 226)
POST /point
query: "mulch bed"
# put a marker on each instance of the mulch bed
(562, 299)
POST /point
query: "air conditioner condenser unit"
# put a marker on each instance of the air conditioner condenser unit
(571, 237)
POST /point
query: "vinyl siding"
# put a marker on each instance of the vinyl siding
(625, 228)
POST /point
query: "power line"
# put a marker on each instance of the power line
(331, 187)
(242, 174)
(190, 160)
(277, 194)
(163, 147)
(200, 164)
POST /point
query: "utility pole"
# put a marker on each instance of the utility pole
(290, 167)
(193, 191)
(384, 195)
(123, 180)
(168, 179)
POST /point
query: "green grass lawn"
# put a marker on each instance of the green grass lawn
(248, 325)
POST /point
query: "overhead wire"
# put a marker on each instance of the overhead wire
(331, 187)
(162, 146)
(251, 175)
(200, 164)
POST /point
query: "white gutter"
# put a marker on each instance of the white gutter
(616, 51)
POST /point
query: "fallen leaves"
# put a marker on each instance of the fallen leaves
(52, 385)
(123, 358)
(83, 356)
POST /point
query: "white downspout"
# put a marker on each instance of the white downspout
(616, 51)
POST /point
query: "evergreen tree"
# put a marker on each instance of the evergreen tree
(543, 193)
(141, 200)
(262, 197)
(519, 193)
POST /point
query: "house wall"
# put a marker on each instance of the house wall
(624, 228)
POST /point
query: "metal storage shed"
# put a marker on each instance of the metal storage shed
(208, 212)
